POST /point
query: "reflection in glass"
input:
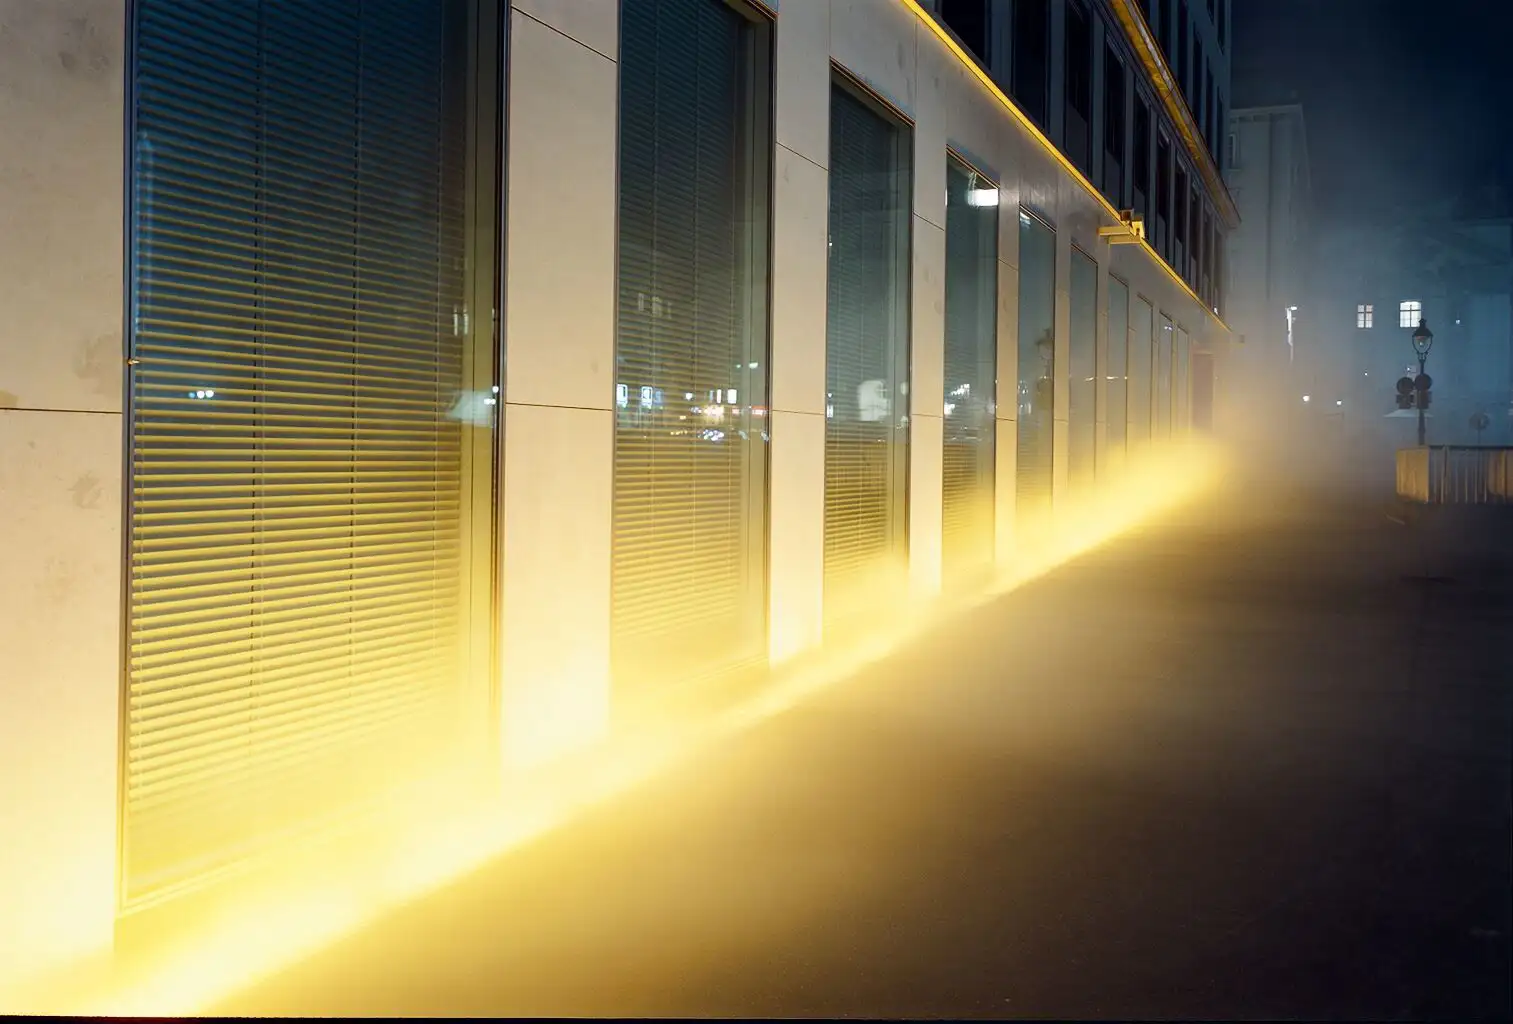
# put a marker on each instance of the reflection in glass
(1164, 343)
(691, 350)
(1082, 370)
(310, 494)
(1117, 385)
(866, 346)
(970, 359)
(1142, 353)
(1037, 365)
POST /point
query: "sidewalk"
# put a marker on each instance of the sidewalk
(1248, 762)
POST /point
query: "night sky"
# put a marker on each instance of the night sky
(1403, 98)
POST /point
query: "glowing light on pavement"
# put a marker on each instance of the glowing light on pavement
(442, 831)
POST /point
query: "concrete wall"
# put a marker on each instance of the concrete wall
(61, 112)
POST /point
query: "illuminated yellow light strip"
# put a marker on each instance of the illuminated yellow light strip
(1049, 147)
(1137, 30)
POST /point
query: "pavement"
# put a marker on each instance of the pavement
(1249, 762)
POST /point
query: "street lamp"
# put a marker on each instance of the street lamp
(1423, 341)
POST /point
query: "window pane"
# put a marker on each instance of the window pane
(1032, 48)
(1037, 365)
(311, 417)
(970, 359)
(1181, 375)
(969, 20)
(1077, 133)
(1118, 368)
(1082, 370)
(866, 349)
(1141, 376)
(1164, 343)
(691, 352)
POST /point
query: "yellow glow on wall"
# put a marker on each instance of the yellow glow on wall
(451, 825)
(1049, 147)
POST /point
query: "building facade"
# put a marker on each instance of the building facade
(1271, 262)
(433, 381)
(1452, 268)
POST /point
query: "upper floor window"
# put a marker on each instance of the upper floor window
(1179, 40)
(1233, 160)
(969, 20)
(1031, 66)
(1364, 316)
(1079, 86)
(1113, 125)
(1409, 313)
(1141, 178)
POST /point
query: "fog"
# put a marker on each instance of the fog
(1374, 189)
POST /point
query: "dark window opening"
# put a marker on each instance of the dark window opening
(1179, 43)
(1079, 86)
(1142, 156)
(1113, 126)
(1211, 108)
(1178, 257)
(1163, 196)
(1200, 108)
(1032, 45)
(1194, 236)
(969, 20)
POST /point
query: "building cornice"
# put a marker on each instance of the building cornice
(1138, 33)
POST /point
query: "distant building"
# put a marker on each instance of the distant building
(1271, 260)
(1448, 266)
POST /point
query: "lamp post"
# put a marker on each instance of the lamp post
(1423, 341)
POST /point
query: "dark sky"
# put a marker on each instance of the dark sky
(1403, 98)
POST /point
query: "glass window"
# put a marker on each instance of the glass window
(866, 347)
(1181, 376)
(1117, 382)
(1142, 351)
(1164, 230)
(1409, 313)
(1082, 370)
(970, 362)
(1037, 365)
(1164, 345)
(1113, 126)
(311, 521)
(969, 20)
(1180, 199)
(691, 348)
(1141, 156)
(1078, 129)
(1032, 50)
(1365, 316)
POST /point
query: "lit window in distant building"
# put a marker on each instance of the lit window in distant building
(1409, 313)
(1364, 315)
